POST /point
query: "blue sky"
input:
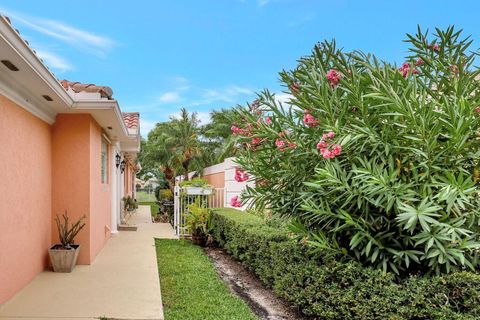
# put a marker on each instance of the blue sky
(159, 56)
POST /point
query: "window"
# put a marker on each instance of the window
(104, 165)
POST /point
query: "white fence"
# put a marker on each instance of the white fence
(183, 198)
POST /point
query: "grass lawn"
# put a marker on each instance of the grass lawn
(154, 209)
(191, 289)
(143, 196)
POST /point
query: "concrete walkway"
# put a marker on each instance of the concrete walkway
(122, 283)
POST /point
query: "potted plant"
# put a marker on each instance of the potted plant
(63, 256)
(196, 186)
(198, 222)
(129, 204)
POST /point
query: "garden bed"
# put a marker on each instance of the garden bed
(261, 299)
(328, 288)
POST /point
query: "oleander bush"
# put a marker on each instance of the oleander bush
(323, 287)
(375, 162)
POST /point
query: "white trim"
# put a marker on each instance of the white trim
(15, 41)
(216, 168)
(114, 181)
(13, 95)
(103, 105)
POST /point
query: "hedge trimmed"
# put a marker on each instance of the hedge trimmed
(324, 288)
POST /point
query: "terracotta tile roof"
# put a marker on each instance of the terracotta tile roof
(131, 119)
(105, 92)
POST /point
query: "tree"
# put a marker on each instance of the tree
(375, 162)
(218, 136)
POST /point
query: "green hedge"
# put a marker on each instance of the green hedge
(328, 289)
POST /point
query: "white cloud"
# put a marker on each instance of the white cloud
(169, 97)
(146, 126)
(283, 97)
(229, 94)
(54, 61)
(262, 3)
(76, 37)
(204, 117)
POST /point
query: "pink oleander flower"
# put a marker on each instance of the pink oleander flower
(292, 145)
(477, 109)
(280, 144)
(255, 104)
(419, 62)
(405, 68)
(256, 141)
(327, 154)
(336, 149)
(434, 47)
(235, 202)
(309, 120)
(235, 129)
(322, 144)
(268, 120)
(240, 175)
(334, 77)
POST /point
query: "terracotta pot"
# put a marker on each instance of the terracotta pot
(63, 260)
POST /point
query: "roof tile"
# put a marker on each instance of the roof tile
(105, 92)
(131, 119)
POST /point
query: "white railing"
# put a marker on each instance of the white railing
(181, 201)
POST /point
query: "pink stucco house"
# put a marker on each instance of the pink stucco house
(63, 146)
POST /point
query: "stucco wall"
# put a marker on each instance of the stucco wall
(25, 208)
(216, 179)
(71, 175)
(100, 194)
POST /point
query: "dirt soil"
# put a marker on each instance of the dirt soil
(243, 283)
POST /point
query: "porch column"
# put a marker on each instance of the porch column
(114, 150)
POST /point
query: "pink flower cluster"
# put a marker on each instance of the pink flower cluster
(477, 109)
(419, 62)
(235, 202)
(240, 175)
(282, 144)
(309, 119)
(256, 141)
(405, 68)
(327, 151)
(237, 130)
(434, 47)
(334, 77)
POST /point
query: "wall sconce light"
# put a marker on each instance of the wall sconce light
(117, 160)
(122, 166)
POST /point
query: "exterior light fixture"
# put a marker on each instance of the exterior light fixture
(117, 160)
(9, 65)
(122, 166)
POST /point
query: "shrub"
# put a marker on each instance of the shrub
(165, 194)
(376, 162)
(323, 287)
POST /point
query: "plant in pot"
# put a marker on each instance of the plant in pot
(129, 204)
(63, 256)
(196, 186)
(198, 222)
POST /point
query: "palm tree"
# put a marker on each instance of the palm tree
(219, 135)
(183, 137)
